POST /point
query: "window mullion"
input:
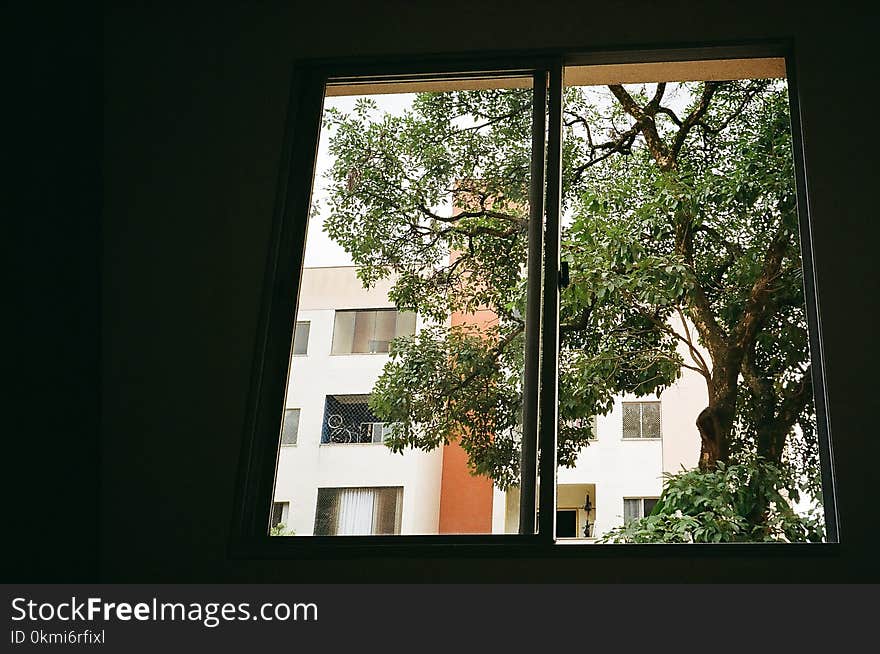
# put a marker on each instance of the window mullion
(549, 405)
(531, 380)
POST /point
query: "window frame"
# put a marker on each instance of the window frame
(298, 410)
(293, 352)
(258, 461)
(284, 507)
(398, 508)
(641, 403)
(641, 500)
(336, 313)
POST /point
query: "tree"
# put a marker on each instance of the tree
(681, 228)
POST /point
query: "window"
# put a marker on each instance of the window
(376, 432)
(348, 419)
(301, 339)
(566, 523)
(280, 511)
(370, 331)
(540, 303)
(637, 507)
(641, 420)
(358, 511)
(290, 427)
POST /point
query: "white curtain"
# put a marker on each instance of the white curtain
(632, 510)
(355, 512)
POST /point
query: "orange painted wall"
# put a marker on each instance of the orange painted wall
(465, 499)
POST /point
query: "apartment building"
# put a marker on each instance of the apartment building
(336, 477)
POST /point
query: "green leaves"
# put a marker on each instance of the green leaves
(448, 384)
(396, 179)
(746, 502)
(436, 199)
(281, 530)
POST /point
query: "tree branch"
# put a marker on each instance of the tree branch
(759, 300)
(701, 309)
(647, 126)
(709, 89)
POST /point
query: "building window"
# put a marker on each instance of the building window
(641, 419)
(637, 507)
(280, 511)
(301, 339)
(370, 331)
(358, 511)
(566, 523)
(290, 427)
(348, 419)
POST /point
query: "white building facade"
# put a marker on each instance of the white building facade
(335, 476)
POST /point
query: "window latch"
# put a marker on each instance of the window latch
(564, 278)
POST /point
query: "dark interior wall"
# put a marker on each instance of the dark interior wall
(195, 103)
(51, 244)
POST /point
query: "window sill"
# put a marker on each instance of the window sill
(509, 545)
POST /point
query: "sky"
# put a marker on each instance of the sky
(320, 250)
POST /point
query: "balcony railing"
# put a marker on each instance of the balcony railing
(348, 419)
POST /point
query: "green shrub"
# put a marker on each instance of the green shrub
(748, 502)
(281, 530)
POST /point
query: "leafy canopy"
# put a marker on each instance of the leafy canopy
(680, 229)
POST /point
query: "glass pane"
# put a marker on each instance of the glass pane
(358, 511)
(650, 419)
(364, 331)
(343, 332)
(387, 511)
(301, 338)
(414, 287)
(632, 420)
(386, 326)
(632, 510)
(290, 426)
(277, 513)
(684, 326)
(325, 513)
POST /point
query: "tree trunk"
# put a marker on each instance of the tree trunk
(715, 422)
(781, 412)
(771, 442)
